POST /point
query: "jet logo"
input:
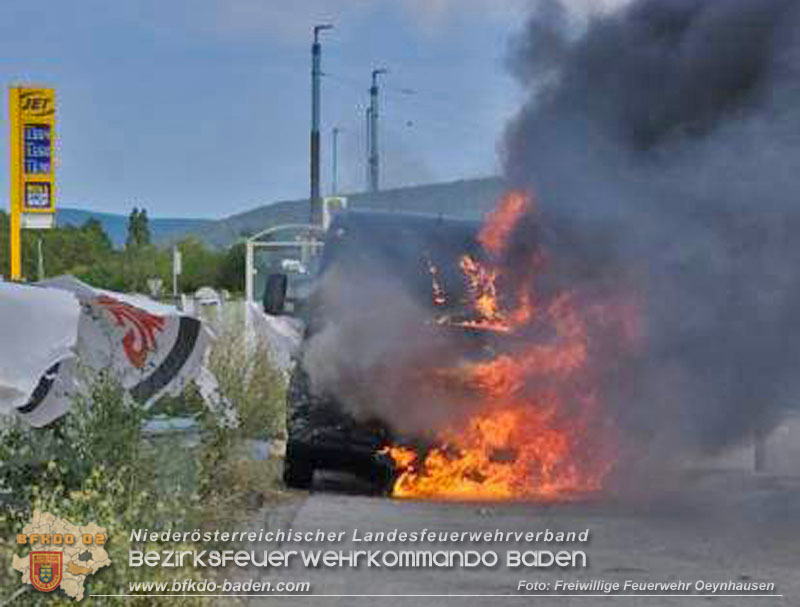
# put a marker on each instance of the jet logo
(36, 103)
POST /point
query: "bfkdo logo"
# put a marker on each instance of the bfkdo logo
(62, 554)
(46, 570)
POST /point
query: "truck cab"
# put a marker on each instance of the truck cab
(416, 252)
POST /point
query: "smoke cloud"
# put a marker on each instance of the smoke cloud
(665, 135)
(373, 346)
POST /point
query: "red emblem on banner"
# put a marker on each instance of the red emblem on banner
(140, 338)
(46, 570)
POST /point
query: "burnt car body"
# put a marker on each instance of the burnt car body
(321, 435)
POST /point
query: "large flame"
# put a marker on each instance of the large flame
(538, 430)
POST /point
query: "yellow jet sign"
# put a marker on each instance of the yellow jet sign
(33, 117)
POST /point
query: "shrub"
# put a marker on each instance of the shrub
(89, 466)
(248, 380)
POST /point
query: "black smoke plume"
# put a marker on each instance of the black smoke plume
(666, 135)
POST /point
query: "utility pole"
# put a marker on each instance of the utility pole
(40, 264)
(368, 139)
(374, 156)
(177, 270)
(335, 161)
(315, 201)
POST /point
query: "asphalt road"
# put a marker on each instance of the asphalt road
(712, 527)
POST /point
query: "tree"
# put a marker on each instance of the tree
(144, 227)
(97, 235)
(87, 253)
(200, 264)
(138, 230)
(232, 268)
(66, 249)
(133, 222)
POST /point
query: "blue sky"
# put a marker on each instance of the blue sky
(200, 108)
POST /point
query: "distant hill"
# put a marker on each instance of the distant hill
(116, 226)
(470, 199)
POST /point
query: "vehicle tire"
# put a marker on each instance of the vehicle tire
(383, 478)
(275, 294)
(298, 473)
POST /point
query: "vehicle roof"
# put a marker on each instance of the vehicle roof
(398, 233)
(403, 245)
(386, 219)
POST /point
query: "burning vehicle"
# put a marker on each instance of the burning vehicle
(439, 363)
(323, 433)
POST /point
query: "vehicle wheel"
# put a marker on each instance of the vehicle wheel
(298, 473)
(383, 478)
(275, 294)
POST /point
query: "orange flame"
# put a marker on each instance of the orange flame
(501, 222)
(539, 431)
(439, 295)
(483, 292)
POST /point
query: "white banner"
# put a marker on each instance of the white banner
(51, 330)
